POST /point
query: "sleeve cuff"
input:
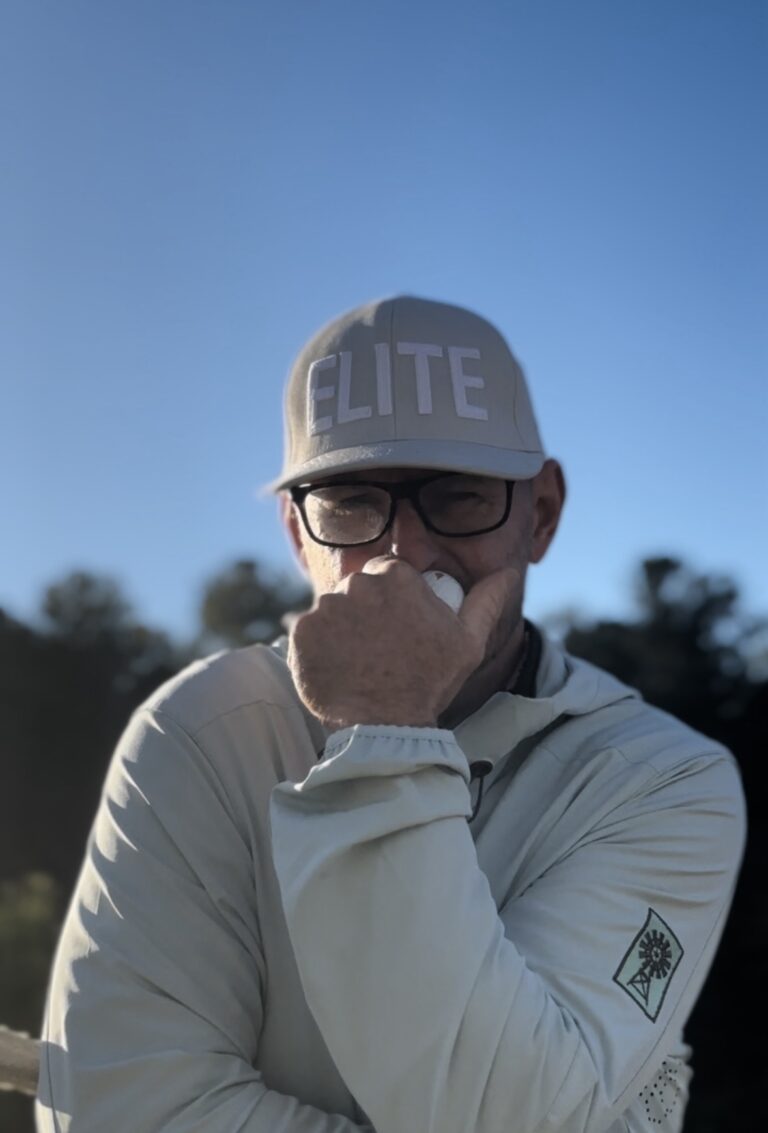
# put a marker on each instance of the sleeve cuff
(342, 736)
(366, 751)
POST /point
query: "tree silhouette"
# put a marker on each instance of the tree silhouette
(85, 608)
(688, 652)
(67, 689)
(246, 604)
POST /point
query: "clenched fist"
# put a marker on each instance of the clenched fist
(383, 649)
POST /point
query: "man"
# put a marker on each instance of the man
(410, 870)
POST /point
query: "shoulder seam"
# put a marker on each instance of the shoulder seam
(288, 709)
(715, 754)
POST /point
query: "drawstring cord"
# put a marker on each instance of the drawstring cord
(478, 770)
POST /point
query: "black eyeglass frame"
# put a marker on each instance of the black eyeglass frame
(406, 490)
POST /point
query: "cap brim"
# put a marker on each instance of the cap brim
(449, 456)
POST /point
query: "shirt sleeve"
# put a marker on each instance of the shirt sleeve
(446, 1013)
(155, 1001)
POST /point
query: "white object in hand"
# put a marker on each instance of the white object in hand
(445, 587)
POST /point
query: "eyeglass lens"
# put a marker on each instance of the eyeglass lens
(346, 514)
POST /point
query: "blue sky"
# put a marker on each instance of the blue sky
(189, 189)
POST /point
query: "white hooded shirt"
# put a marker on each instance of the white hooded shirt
(279, 931)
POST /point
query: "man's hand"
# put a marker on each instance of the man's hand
(383, 649)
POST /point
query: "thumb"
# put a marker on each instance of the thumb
(486, 602)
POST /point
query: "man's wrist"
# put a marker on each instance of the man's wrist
(382, 721)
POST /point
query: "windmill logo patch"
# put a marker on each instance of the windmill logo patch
(647, 968)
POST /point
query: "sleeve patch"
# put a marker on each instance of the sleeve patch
(650, 962)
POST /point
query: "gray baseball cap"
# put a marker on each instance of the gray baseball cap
(408, 383)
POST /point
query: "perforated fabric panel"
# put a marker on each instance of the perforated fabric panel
(663, 1100)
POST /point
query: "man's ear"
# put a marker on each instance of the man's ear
(292, 524)
(548, 493)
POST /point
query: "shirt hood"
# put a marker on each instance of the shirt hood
(565, 686)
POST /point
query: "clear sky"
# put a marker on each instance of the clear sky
(190, 188)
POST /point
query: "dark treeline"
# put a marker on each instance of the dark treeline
(69, 682)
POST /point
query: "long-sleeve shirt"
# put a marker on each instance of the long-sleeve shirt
(280, 931)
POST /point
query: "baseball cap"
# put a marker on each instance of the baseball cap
(408, 383)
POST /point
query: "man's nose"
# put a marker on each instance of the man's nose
(410, 540)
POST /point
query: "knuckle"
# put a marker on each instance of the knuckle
(326, 601)
(299, 623)
(399, 569)
(357, 581)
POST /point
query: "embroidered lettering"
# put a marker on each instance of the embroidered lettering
(422, 352)
(345, 381)
(383, 379)
(342, 391)
(317, 393)
(462, 382)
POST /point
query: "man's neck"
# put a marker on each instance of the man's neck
(496, 675)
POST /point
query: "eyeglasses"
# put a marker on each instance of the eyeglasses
(351, 513)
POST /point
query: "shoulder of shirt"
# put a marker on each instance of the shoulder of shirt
(626, 724)
(223, 683)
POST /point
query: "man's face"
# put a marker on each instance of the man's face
(522, 539)
(468, 559)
